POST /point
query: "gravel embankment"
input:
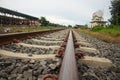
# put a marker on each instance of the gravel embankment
(107, 50)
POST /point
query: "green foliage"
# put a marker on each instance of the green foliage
(70, 26)
(115, 12)
(56, 25)
(112, 29)
(83, 27)
(97, 28)
(43, 21)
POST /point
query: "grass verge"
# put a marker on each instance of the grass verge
(102, 35)
(14, 29)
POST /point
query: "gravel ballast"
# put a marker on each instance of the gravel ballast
(107, 50)
(26, 69)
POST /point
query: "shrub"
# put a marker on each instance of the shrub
(97, 28)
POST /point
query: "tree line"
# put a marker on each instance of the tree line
(115, 12)
(45, 22)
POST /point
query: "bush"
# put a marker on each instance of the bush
(83, 27)
(97, 28)
(112, 29)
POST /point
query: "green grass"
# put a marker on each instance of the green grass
(113, 30)
(108, 35)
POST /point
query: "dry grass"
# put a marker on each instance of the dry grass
(102, 36)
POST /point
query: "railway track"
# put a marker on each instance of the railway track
(16, 37)
(54, 55)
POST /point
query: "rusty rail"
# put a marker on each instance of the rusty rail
(68, 69)
(7, 38)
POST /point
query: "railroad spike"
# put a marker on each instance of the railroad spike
(16, 40)
(63, 44)
(76, 45)
(79, 54)
(59, 53)
(47, 76)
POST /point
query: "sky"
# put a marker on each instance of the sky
(63, 12)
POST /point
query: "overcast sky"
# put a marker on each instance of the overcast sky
(60, 11)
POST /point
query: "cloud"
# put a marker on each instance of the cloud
(60, 20)
(60, 11)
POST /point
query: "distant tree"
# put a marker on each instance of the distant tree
(86, 25)
(69, 26)
(56, 25)
(43, 21)
(115, 12)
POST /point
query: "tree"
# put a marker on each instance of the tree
(115, 12)
(44, 22)
(70, 26)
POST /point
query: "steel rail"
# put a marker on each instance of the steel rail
(69, 69)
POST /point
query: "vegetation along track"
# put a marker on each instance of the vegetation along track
(77, 54)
